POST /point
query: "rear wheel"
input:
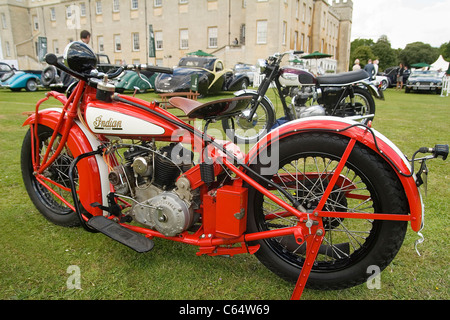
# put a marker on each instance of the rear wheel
(364, 104)
(31, 85)
(366, 185)
(50, 206)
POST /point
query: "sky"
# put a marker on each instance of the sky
(403, 21)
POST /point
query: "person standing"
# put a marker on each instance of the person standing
(356, 66)
(370, 69)
(400, 78)
(85, 36)
(375, 65)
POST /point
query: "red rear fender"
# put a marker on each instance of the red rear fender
(388, 149)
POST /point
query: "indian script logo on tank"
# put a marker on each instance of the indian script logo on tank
(109, 124)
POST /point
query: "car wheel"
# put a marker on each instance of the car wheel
(31, 85)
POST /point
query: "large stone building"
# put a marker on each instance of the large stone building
(234, 30)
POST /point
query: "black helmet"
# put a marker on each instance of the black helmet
(79, 57)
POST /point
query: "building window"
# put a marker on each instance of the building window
(98, 7)
(284, 32)
(83, 9)
(55, 47)
(184, 39)
(135, 39)
(116, 5)
(295, 40)
(35, 23)
(52, 14)
(117, 43)
(134, 4)
(4, 24)
(157, 3)
(8, 49)
(101, 46)
(159, 40)
(242, 34)
(68, 12)
(212, 37)
(261, 32)
(183, 1)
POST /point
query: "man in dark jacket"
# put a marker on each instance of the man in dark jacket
(370, 69)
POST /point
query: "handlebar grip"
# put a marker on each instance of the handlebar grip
(299, 52)
(51, 59)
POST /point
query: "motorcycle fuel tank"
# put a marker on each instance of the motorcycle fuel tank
(122, 120)
(291, 76)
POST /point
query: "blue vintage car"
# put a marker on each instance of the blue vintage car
(211, 75)
(16, 80)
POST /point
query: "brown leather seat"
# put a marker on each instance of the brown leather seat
(214, 109)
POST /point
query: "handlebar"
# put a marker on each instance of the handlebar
(52, 59)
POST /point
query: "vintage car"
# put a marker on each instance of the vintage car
(429, 81)
(210, 73)
(16, 80)
(131, 80)
(4, 68)
(245, 68)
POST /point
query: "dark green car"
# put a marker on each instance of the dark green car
(130, 80)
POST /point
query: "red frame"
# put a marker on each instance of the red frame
(208, 238)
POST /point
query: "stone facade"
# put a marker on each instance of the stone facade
(234, 30)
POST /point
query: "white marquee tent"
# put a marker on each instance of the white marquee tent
(440, 64)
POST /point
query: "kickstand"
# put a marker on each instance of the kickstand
(312, 249)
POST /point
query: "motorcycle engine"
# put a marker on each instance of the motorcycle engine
(300, 98)
(161, 202)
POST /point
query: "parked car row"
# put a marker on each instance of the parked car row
(209, 74)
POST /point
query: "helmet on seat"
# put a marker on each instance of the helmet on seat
(79, 57)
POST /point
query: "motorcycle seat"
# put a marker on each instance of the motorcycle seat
(217, 109)
(343, 78)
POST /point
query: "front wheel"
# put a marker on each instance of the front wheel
(367, 184)
(57, 178)
(244, 131)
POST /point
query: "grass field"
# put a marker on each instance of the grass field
(35, 254)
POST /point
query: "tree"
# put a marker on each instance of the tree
(384, 53)
(418, 52)
(363, 53)
(445, 51)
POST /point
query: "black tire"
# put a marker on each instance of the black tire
(49, 205)
(239, 130)
(350, 246)
(365, 104)
(31, 85)
(48, 75)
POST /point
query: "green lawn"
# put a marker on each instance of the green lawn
(36, 254)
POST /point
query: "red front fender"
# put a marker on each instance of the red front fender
(333, 124)
(91, 171)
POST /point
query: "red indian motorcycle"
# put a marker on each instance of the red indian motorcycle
(318, 200)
